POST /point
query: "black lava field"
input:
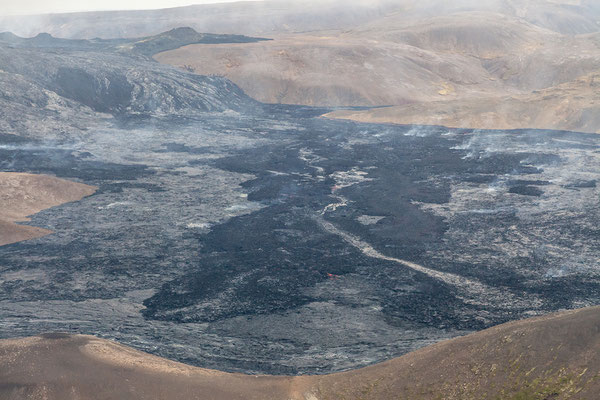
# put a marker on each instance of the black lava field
(267, 239)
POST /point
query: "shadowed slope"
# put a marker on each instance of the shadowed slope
(554, 356)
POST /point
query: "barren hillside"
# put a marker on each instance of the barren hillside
(475, 68)
(573, 106)
(336, 71)
(546, 357)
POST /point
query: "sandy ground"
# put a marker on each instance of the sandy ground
(23, 195)
(554, 355)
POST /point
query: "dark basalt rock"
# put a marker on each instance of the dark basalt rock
(69, 86)
(110, 93)
(184, 36)
(526, 190)
(582, 185)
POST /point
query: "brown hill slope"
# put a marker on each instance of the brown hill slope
(335, 71)
(572, 106)
(481, 34)
(551, 357)
(22, 195)
(474, 69)
(391, 61)
(473, 51)
(545, 80)
(516, 54)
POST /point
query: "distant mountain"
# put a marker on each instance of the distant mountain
(551, 357)
(147, 46)
(247, 18)
(483, 66)
(271, 17)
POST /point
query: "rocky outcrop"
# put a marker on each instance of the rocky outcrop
(76, 83)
